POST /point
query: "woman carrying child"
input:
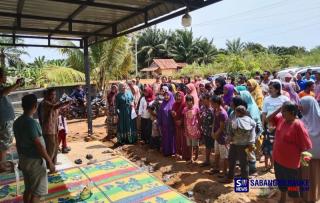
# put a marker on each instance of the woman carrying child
(242, 138)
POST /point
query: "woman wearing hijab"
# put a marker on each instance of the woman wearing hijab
(255, 114)
(294, 97)
(256, 92)
(126, 123)
(191, 90)
(220, 83)
(144, 114)
(311, 118)
(228, 91)
(166, 124)
(181, 142)
(112, 113)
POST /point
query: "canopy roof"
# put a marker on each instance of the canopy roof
(96, 20)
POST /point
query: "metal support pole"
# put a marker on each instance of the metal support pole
(88, 85)
(136, 54)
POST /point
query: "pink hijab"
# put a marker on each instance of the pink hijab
(193, 93)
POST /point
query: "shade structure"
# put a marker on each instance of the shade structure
(85, 21)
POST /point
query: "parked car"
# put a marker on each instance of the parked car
(304, 70)
(214, 77)
(291, 70)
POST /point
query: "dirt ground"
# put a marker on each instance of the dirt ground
(191, 180)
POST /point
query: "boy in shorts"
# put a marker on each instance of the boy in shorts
(32, 152)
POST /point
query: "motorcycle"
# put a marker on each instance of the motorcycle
(99, 106)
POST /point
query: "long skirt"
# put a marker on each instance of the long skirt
(181, 144)
(111, 122)
(127, 134)
(312, 174)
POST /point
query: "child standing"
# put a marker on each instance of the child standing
(206, 117)
(267, 145)
(62, 133)
(242, 139)
(221, 148)
(192, 128)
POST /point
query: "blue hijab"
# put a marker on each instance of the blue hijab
(252, 106)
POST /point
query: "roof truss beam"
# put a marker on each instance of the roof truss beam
(35, 17)
(71, 16)
(101, 5)
(145, 11)
(45, 31)
(159, 20)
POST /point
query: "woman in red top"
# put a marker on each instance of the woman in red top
(291, 139)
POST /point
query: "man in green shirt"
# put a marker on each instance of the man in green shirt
(6, 117)
(32, 152)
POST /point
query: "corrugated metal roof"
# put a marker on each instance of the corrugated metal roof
(93, 19)
(165, 63)
(150, 69)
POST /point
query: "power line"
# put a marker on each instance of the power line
(257, 18)
(247, 11)
(269, 27)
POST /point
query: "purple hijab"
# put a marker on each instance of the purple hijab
(294, 97)
(167, 127)
(227, 98)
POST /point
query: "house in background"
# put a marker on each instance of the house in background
(166, 67)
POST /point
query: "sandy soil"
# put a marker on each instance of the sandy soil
(192, 180)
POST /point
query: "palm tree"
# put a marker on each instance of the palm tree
(235, 46)
(184, 46)
(108, 59)
(75, 56)
(205, 51)
(151, 44)
(11, 55)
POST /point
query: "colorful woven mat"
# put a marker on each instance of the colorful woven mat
(110, 170)
(141, 187)
(114, 180)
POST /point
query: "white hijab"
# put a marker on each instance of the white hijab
(311, 115)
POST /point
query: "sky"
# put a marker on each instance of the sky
(272, 22)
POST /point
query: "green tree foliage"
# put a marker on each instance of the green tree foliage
(179, 45)
(10, 55)
(108, 60)
(254, 47)
(235, 46)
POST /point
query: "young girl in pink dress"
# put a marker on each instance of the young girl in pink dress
(191, 114)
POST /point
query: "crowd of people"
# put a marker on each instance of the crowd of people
(240, 121)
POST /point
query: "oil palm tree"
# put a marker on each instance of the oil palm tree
(184, 46)
(235, 46)
(10, 55)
